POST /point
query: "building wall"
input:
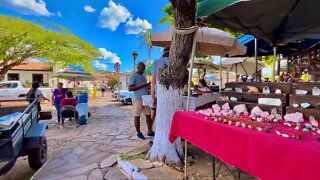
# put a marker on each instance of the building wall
(27, 76)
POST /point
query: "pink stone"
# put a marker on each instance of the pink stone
(226, 107)
(225, 113)
(257, 111)
(294, 117)
(240, 108)
(216, 108)
(265, 114)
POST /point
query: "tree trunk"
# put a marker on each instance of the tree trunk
(172, 80)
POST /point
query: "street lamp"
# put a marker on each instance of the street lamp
(134, 56)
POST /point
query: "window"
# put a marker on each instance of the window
(14, 85)
(5, 85)
(13, 77)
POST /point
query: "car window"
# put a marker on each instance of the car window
(5, 85)
(14, 85)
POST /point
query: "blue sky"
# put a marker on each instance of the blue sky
(112, 26)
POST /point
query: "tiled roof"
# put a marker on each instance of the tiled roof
(33, 66)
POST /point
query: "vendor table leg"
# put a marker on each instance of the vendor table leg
(214, 167)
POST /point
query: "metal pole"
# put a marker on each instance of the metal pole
(118, 87)
(188, 102)
(134, 64)
(220, 73)
(274, 63)
(236, 72)
(256, 56)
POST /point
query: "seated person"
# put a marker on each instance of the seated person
(203, 87)
(69, 101)
(214, 87)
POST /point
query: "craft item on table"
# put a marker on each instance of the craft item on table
(237, 114)
(265, 114)
(226, 107)
(240, 108)
(244, 125)
(305, 77)
(224, 98)
(228, 89)
(295, 105)
(278, 91)
(230, 123)
(270, 101)
(298, 137)
(298, 126)
(316, 91)
(266, 90)
(259, 129)
(238, 90)
(301, 92)
(270, 117)
(246, 113)
(225, 113)
(305, 105)
(231, 111)
(256, 111)
(273, 111)
(313, 121)
(216, 108)
(238, 124)
(252, 89)
(233, 99)
(294, 117)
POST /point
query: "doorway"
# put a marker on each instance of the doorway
(38, 78)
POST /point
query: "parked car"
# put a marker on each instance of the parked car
(126, 97)
(15, 90)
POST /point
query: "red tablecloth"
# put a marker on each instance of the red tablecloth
(264, 155)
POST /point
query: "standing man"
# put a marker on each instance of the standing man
(58, 94)
(138, 84)
(157, 64)
(103, 88)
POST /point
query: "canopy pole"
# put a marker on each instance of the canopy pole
(220, 73)
(194, 45)
(236, 72)
(279, 65)
(274, 63)
(256, 56)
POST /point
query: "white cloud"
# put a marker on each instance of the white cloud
(111, 16)
(107, 55)
(27, 7)
(59, 14)
(136, 26)
(89, 9)
(99, 66)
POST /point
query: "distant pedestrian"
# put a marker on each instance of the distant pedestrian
(103, 88)
(35, 93)
(58, 94)
(138, 84)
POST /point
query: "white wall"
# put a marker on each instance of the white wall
(27, 75)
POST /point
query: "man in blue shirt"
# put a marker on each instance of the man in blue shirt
(138, 84)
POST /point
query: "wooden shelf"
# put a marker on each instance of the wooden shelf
(298, 99)
(306, 112)
(253, 97)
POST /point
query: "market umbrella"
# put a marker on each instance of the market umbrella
(208, 41)
(205, 64)
(276, 22)
(75, 76)
(240, 65)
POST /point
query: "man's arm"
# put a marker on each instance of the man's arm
(136, 88)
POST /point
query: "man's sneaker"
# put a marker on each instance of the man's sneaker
(141, 136)
(151, 134)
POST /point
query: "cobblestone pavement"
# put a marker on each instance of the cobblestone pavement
(77, 153)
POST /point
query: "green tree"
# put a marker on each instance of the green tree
(145, 37)
(21, 40)
(169, 18)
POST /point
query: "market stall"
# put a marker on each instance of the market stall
(265, 150)
(78, 75)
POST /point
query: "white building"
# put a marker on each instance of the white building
(30, 72)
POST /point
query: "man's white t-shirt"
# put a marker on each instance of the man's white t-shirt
(37, 94)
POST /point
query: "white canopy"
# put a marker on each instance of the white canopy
(240, 65)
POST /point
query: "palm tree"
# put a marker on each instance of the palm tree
(146, 41)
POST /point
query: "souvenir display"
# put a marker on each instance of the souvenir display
(256, 111)
(224, 98)
(238, 90)
(305, 105)
(266, 90)
(301, 92)
(226, 107)
(313, 121)
(294, 117)
(295, 105)
(233, 99)
(316, 91)
(252, 89)
(270, 101)
(228, 89)
(278, 91)
(240, 108)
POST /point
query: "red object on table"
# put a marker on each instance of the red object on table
(264, 155)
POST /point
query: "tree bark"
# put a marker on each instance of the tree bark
(171, 82)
